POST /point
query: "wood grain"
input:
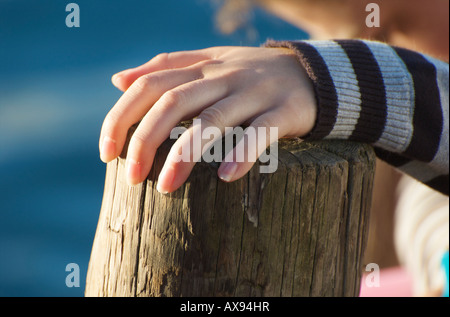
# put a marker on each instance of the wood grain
(312, 222)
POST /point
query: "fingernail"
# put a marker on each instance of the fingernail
(165, 180)
(133, 171)
(115, 78)
(108, 149)
(227, 171)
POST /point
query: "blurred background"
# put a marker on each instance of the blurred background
(55, 90)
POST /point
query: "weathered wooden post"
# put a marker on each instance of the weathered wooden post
(198, 241)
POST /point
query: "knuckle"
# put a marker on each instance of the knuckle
(173, 98)
(213, 116)
(267, 123)
(247, 74)
(113, 119)
(206, 67)
(145, 82)
(139, 141)
(141, 83)
(162, 59)
(264, 122)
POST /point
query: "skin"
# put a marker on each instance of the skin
(229, 86)
(224, 87)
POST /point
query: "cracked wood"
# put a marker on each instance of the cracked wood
(312, 222)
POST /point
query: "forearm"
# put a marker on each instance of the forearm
(392, 98)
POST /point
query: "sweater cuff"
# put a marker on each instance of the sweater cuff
(354, 82)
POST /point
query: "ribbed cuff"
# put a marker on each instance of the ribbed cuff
(362, 90)
(325, 93)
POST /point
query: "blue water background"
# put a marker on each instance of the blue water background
(54, 93)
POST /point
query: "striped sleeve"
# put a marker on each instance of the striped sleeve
(392, 98)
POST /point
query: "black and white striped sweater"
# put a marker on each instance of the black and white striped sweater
(393, 98)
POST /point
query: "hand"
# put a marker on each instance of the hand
(222, 86)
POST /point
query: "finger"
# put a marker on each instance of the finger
(176, 105)
(213, 122)
(262, 132)
(164, 61)
(135, 103)
(183, 156)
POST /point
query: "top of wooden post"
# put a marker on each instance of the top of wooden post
(201, 240)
